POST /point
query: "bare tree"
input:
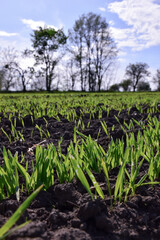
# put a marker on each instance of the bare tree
(103, 50)
(76, 37)
(37, 80)
(2, 77)
(93, 49)
(136, 73)
(72, 74)
(156, 79)
(21, 74)
(8, 56)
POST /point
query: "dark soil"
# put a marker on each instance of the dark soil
(66, 211)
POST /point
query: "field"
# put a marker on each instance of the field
(80, 166)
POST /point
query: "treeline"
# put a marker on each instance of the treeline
(84, 60)
(136, 79)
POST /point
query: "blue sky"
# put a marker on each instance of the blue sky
(134, 24)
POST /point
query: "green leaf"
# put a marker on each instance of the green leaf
(13, 219)
(95, 183)
(81, 176)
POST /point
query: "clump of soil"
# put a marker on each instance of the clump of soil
(66, 211)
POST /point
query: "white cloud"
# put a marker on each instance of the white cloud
(34, 25)
(142, 18)
(102, 9)
(121, 34)
(122, 53)
(19, 43)
(122, 60)
(111, 23)
(4, 43)
(6, 34)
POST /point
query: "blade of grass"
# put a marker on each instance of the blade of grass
(13, 219)
(95, 183)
